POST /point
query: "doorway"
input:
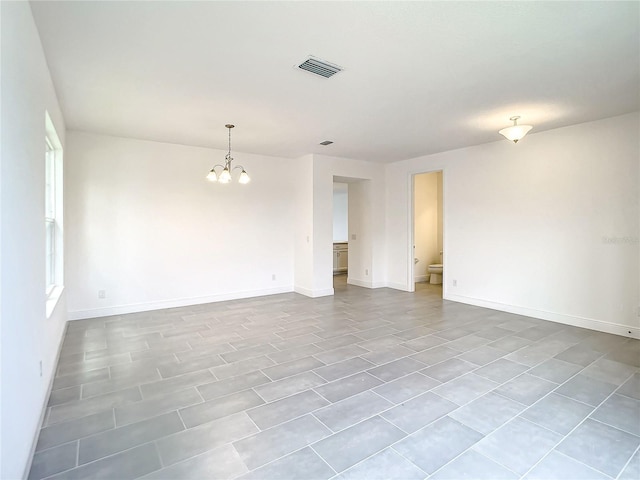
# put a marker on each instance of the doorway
(340, 234)
(427, 265)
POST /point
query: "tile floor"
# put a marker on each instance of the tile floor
(368, 384)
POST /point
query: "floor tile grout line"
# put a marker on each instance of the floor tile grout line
(479, 453)
(505, 423)
(99, 459)
(323, 460)
(636, 452)
(480, 366)
(566, 436)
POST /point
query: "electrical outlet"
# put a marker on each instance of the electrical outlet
(102, 294)
(307, 238)
(40, 367)
(273, 277)
(454, 283)
(366, 271)
(353, 236)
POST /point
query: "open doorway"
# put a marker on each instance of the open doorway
(427, 263)
(340, 234)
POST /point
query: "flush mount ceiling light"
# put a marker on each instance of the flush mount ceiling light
(225, 174)
(515, 132)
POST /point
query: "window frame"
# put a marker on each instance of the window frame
(53, 216)
(50, 216)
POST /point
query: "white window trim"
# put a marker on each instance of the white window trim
(54, 291)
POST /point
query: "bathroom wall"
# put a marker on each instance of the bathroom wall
(427, 222)
(340, 211)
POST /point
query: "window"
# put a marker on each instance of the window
(53, 211)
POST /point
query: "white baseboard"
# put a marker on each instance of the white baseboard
(177, 302)
(359, 283)
(365, 284)
(573, 320)
(421, 278)
(398, 286)
(313, 293)
(43, 410)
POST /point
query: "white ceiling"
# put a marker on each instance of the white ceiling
(419, 78)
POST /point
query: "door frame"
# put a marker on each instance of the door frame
(411, 284)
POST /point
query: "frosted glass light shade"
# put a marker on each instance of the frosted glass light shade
(515, 132)
(244, 178)
(225, 176)
(212, 177)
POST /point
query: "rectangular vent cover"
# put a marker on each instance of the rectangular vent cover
(320, 67)
(326, 142)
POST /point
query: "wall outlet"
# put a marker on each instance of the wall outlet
(40, 367)
(273, 277)
(307, 238)
(353, 236)
(454, 283)
(366, 271)
(102, 294)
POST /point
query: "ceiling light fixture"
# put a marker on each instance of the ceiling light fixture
(515, 132)
(225, 174)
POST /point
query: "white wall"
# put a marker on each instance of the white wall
(528, 227)
(144, 225)
(440, 214)
(303, 201)
(361, 254)
(427, 234)
(340, 212)
(367, 251)
(27, 336)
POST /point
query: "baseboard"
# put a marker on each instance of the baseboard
(365, 284)
(313, 293)
(178, 302)
(398, 286)
(421, 278)
(573, 320)
(43, 410)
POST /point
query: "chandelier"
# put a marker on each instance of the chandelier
(515, 132)
(225, 175)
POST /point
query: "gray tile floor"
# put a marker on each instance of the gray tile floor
(368, 384)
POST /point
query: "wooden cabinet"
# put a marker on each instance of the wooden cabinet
(340, 257)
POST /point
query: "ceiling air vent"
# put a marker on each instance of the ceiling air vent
(320, 67)
(326, 142)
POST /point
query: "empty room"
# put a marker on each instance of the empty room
(319, 240)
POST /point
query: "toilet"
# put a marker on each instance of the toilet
(435, 273)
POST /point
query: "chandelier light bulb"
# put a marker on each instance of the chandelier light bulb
(225, 176)
(244, 178)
